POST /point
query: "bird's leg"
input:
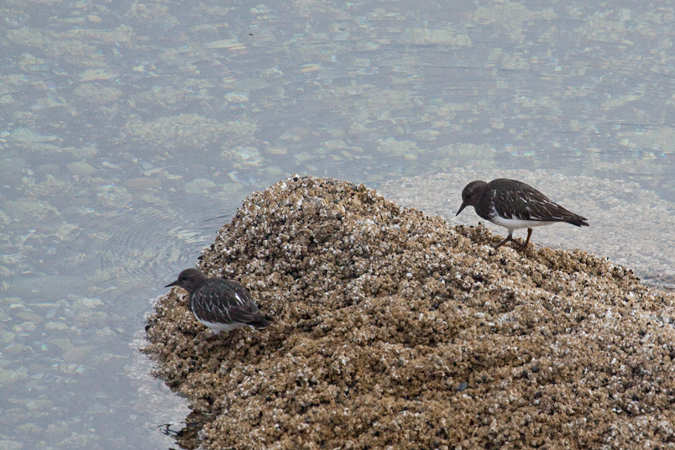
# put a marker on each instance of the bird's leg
(218, 339)
(524, 246)
(204, 335)
(506, 239)
(527, 241)
(230, 336)
(211, 336)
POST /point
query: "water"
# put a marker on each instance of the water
(131, 132)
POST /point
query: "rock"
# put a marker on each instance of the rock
(393, 329)
(81, 169)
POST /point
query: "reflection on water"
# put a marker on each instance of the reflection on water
(129, 126)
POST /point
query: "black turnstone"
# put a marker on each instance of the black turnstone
(220, 304)
(513, 204)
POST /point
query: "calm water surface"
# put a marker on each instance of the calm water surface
(131, 131)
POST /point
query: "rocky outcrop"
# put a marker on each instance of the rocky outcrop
(392, 329)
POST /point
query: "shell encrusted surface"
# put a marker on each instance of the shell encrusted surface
(391, 329)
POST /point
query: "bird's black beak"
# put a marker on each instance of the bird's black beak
(464, 205)
(172, 284)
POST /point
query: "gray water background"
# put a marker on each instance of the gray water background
(130, 131)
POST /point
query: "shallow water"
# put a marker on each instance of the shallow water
(132, 131)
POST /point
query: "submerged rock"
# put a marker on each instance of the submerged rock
(392, 329)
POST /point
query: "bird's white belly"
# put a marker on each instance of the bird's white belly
(218, 327)
(514, 224)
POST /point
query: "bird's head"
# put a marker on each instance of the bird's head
(472, 194)
(189, 279)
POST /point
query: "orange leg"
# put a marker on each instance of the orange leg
(506, 239)
(527, 241)
(510, 238)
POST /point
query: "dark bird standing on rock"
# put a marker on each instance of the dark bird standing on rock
(220, 304)
(513, 204)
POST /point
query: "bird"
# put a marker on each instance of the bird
(220, 304)
(513, 204)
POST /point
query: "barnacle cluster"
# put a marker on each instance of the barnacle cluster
(393, 329)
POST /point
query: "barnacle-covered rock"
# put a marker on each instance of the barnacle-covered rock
(392, 329)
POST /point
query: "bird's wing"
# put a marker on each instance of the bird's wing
(212, 302)
(239, 294)
(246, 314)
(523, 202)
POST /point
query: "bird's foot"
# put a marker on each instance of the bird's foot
(520, 247)
(225, 340)
(507, 239)
(214, 338)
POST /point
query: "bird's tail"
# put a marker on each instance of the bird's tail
(578, 221)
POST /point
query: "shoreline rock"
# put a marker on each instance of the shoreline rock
(393, 329)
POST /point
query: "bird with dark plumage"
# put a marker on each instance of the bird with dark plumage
(513, 204)
(220, 304)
